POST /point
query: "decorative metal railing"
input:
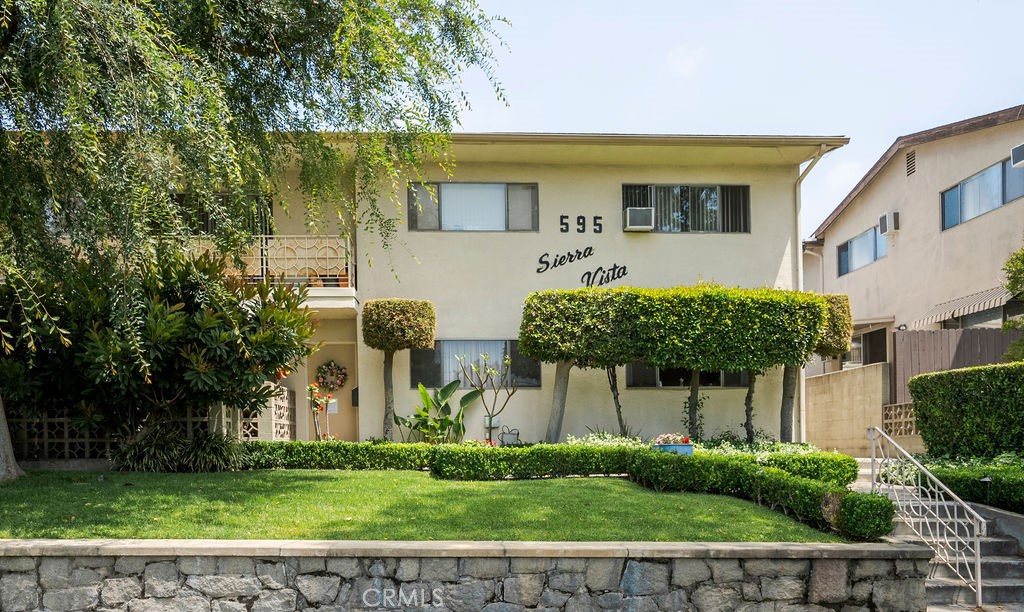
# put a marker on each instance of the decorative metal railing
(943, 521)
(316, 260)
(899, 420)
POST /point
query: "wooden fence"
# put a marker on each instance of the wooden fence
(917, 352)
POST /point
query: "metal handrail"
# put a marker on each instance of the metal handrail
(929, 508)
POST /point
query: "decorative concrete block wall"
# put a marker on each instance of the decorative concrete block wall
(267, 576)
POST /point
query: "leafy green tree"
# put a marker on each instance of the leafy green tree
(834, 341)
(1014, 271)
(206, 342)
(701, 328)
(109, 109)
(392, 325)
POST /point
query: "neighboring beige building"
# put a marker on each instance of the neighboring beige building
(725, 209)
(961, 214)
(919, 244)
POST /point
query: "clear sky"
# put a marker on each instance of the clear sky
(871, 70)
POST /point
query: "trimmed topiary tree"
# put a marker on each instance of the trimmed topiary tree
(702, 328)
(392, 325)
(587, 328)
(833, 342)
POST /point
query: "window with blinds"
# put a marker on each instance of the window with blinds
(473, 207)
(693, 208)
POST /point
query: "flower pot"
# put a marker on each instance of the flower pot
(679, 449)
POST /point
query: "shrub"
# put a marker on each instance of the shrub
(865, 516)
(334, 455)
(465, 462)
(811, 501)
(971, 411)
(167, 450)
(1006, 490)
(830, 467)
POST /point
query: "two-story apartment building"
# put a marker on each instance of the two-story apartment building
(525, 212)
(919, 245)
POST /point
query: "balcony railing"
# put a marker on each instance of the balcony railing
(314, 260)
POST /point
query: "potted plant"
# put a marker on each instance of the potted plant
(674, 443)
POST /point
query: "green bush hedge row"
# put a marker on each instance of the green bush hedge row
(456, 462)
(830, 467)
(467, 462)
(858, 516)
(971, 411)
(1006, 490)
(336, 455)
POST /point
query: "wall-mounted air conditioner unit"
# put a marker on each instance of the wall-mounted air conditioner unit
(889, 223)
(639, 219)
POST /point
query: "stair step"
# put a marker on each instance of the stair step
(990, 545)
(960, 528)
(992, 566)
(954, 591)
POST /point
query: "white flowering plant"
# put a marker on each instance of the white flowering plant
(672, 438)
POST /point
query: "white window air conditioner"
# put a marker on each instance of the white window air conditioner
(889, 223)
(639, 219)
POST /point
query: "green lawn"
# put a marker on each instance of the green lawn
(392, 505)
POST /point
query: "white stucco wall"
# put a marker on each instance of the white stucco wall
(478, 280)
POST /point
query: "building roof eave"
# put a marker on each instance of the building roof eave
(1008, 115)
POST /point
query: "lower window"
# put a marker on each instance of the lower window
(439, 366)
(641, 375)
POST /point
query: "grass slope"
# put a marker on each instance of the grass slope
(385, 505)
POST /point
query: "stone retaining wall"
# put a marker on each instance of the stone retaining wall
(264, 576)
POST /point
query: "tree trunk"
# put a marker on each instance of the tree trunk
(389, 393)
(9, 469)
(558, 401)
(613, 384)
(790, 374)
(748, 406)
(693, 406)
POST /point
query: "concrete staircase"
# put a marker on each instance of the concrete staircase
(1002, 566)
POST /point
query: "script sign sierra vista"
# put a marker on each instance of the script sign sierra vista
(597, 277)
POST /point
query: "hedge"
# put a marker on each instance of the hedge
(461, 462)
(971, 411)
(830, 467)
(706, 327)
(333, 455)
(1005, 491)
(858, 516)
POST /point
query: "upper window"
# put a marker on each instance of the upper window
(987, 190)
(693, 208)
(861, 250)
(641, 375)
(439, 366)
(480, 207)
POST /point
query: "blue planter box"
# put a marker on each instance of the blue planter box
(679, 449)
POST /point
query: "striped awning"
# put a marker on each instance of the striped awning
(968, 304)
